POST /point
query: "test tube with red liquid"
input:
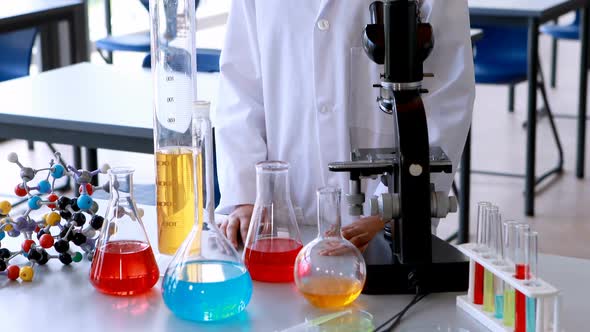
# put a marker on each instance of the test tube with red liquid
(522, 273)
(481, 248)
(510, 239)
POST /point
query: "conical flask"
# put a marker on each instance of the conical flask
(205, 280)
(330, 271)
(123, 263)
(273, 239)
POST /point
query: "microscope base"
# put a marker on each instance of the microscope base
(448, 272)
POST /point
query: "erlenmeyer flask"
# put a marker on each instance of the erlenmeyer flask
(205, 280)
(273, 240)
(123, 263)
(330, 271)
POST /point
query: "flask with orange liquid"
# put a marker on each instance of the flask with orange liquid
(330, 271)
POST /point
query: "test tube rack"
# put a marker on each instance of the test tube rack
(547, 297)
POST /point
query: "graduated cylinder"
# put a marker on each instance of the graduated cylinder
(173, 49)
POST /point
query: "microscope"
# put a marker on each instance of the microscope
(405, 258)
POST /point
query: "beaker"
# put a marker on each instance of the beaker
(273, 240)
(173, 48)
(205, 280)
(330, 271)
(123, 262)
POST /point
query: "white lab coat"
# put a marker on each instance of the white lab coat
(296, 86)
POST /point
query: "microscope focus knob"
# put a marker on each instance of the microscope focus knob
(387, 206)
(441, 204)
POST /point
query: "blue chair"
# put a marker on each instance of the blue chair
(207, 60)
(569, 31)
(134, 42)
(502, 59)
(15, 53)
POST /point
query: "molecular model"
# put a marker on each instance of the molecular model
(65, 222)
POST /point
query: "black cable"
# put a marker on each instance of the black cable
(401, 315)
(396, 315)
(415, 300)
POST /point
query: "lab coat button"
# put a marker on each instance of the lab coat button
(323, 25)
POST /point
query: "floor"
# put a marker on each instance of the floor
(562, 212)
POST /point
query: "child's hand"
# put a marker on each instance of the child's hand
(235, 227)
(362, 231)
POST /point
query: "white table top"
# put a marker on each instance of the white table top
(62, 297)
(88, 99)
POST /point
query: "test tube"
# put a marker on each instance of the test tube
(510, 233)
(480, 247)
(481, 236)
(521, 274)
(530, 258)
(499, 260)
(492, 213)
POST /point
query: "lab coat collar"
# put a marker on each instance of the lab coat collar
(323, 6)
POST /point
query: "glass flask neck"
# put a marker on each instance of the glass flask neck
(203, 164)
(121, 184)
(329, 217)
(272, 181)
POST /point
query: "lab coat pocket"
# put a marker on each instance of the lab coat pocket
(369, 126)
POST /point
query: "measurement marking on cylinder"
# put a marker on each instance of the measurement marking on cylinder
(171, 120)
(170, 99)
(169, 78)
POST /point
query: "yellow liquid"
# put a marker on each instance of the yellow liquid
(488, 291)
(175, 197)
(509, 306)
(330, 292)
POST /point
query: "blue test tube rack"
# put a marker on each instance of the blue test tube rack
(547, 297)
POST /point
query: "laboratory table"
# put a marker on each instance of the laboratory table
(533, 13)
(97, 106)
(61, 299)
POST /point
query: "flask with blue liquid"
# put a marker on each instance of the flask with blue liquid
(205, 280)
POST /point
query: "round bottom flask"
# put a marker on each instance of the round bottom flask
(330, 271)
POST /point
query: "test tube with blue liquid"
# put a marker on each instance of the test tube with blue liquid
(530, 257)
(499, 260)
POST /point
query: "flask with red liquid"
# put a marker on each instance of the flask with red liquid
(273, 240)
(123, 262)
